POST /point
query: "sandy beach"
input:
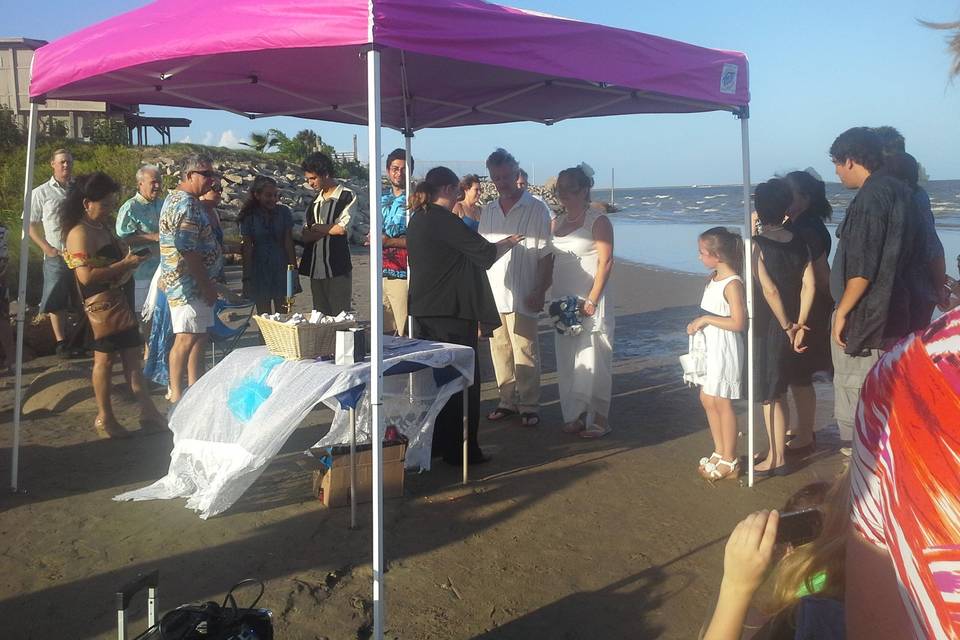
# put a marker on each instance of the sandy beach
(555, 538)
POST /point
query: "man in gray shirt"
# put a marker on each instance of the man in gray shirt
(59, 289)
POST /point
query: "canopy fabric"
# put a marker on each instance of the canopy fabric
(444, 63)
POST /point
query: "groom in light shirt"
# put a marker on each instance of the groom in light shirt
(519, 280)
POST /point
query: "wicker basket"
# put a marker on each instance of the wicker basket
(300, 341)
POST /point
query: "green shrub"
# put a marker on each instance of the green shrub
(10, 132)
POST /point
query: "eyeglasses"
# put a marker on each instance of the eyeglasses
(209, 173)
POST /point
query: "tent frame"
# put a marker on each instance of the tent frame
(374, 125)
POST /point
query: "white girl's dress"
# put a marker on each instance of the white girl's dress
(584, 361)
(725, 349)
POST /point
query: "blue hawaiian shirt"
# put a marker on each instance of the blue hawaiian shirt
(139, 215)
(184, 227)
(394, 211)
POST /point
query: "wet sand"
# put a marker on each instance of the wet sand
(555, 538)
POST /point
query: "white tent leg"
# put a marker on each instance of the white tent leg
(376, 333)
(466, 430)
(22, 293)
(407, 137)
(748, 273)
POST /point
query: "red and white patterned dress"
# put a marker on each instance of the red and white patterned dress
(906, 471)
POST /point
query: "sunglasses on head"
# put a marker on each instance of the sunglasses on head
(209, 173)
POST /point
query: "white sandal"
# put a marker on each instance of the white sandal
(732, 473)
(707, 465)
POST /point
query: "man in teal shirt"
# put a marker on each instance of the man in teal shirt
(138, 223)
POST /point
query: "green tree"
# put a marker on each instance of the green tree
(52, 128)
(109, 131)
(11, 135)
(262, 142)
(306, 141)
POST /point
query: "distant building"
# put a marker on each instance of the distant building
(77, 116)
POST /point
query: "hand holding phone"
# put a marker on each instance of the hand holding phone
(799, 527)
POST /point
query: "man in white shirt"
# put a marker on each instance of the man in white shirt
(519, 281)
(59, 290)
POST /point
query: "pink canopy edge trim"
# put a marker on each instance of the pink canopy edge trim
(499, 36)
(177, 31)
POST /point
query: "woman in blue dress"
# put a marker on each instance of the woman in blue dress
(265, 226)
(468, 208)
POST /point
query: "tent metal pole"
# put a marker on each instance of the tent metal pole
(744, 116)
(376, 331)
(407, 143)
(22, 291)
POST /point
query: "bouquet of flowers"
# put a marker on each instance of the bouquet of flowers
(565, 314)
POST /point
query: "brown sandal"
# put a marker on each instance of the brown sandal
(109, 429)
(500, 413)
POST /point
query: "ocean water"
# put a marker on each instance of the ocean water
(659, 226)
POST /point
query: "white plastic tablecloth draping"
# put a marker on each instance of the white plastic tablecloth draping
(217, 456)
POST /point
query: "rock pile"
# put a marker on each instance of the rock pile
(238, 175)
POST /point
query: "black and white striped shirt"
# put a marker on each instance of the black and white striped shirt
(329, 256)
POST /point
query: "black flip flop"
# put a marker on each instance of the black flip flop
(500, 413)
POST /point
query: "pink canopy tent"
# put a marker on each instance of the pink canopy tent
(403, 64)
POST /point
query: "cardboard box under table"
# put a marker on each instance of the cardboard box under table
(332, 485)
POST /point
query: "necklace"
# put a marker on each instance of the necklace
(93, 225)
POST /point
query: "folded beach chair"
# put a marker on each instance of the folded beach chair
(198, 620)
(230, 321)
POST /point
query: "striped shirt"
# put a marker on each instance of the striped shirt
(906, 471)
(329, 256)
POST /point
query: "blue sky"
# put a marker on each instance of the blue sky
(816, 69)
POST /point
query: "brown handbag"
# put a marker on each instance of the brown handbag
(109, 313)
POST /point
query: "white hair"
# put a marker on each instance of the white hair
(145, 169)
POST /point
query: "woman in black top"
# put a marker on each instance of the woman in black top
(101, 262)
(450, 295)
(786, 282)
(806, 214)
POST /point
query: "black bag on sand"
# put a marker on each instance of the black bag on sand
(201, 620)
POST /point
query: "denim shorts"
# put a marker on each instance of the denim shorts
(59, 286)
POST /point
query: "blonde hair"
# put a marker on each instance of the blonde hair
(725, 245)
(825, 555)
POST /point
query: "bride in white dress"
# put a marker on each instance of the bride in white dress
(583, 262)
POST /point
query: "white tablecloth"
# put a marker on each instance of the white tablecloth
(217, 454)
